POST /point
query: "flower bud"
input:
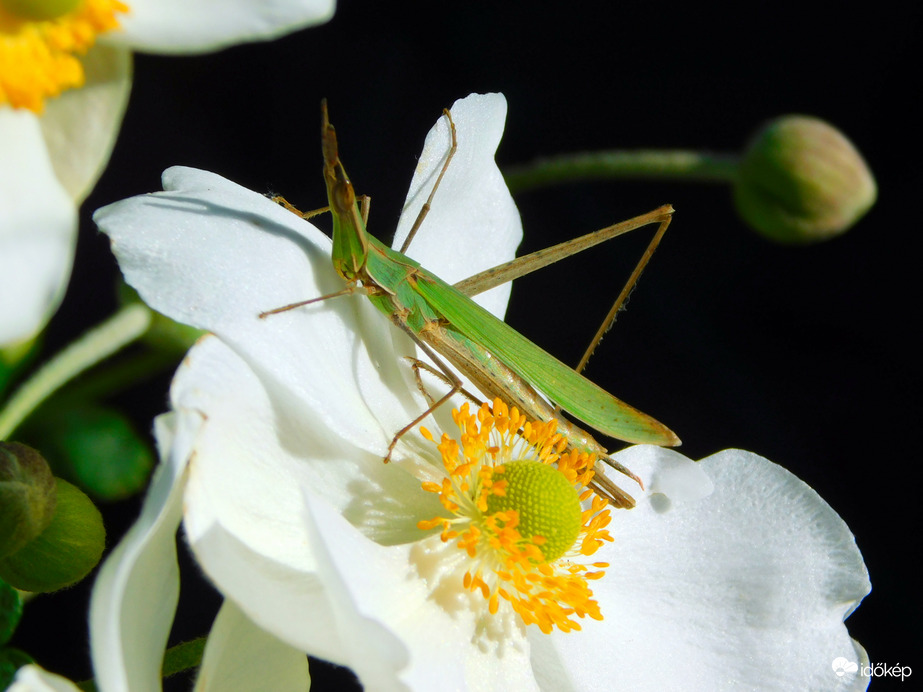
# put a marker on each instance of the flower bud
(65, 552)
(802, 181)
(27, 496)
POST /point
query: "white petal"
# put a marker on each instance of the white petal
(212, 254)
(38, 229)
(244, 503)
(239, 656)
(134, 597)
(745, 589)
(667, 475)
(80, 126)
(179, 26)
(473, 224)
(32, 678)
(404, 632)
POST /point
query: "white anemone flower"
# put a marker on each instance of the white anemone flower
(730, 573)
(32, 678)
(65, 75)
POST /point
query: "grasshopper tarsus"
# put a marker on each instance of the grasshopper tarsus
(445, 374)
(419, 419)
(282, 202)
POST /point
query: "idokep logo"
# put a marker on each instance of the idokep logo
(841, 666)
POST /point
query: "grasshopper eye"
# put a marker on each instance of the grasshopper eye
(343, 197)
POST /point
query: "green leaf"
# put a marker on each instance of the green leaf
(10, 611)
(11, 660)
(95, 447)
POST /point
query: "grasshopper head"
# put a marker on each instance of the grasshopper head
(350, 239)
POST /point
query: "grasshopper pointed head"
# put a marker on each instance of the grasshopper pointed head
(350, 241)
(328, 140)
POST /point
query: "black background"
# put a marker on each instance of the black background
(807, 356)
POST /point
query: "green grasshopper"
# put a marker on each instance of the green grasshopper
(443, 319)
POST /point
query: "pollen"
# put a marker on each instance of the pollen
(40, 45)
(517, 502)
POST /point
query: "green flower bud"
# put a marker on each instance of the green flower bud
(65, 552)
(802, 181)
(27, 496)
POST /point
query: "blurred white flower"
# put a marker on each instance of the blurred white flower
(32, 678)
(65, 75)
(730, 573)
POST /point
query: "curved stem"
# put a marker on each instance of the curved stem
(114, 377)
(176, 659)
(99, 343)
(641, 164)
(183, 656)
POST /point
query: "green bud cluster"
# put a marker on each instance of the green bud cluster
(51, 534)
(802, 181)
(28, 496)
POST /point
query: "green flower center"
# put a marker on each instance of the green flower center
(547, 503)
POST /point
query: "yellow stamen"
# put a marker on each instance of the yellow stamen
(38, 57)
(487, 470)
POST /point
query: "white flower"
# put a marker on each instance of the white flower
(62, 97)
(32, 678)
(273, 456)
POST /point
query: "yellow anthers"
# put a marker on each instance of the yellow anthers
(39, 44)
(515, 497)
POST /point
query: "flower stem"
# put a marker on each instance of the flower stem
(176, 659)
(183, 656)
(114, 377)
(601, 165)
(99, 343)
